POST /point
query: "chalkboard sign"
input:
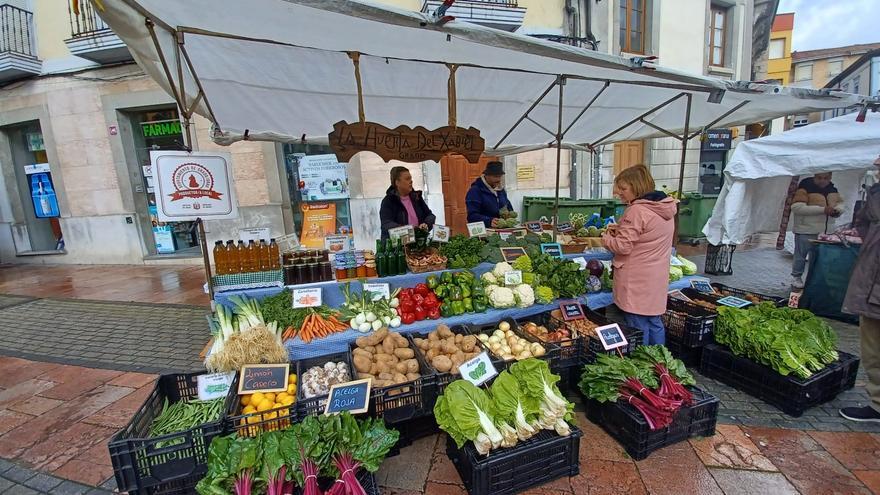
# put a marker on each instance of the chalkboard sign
(510, 254)
(734, 302)
(702, 285)
(263, 378)
(552, 248)
(353, 397)
(611, 336)
(534, 227)
(564, 227)
(571, 310)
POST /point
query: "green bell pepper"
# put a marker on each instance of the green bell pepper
(446, 310)
(465, 291)
(454, 293)
(468, 305)
(446, 277)
(477, 291)
(440, 291)
(432, 281)
(481, 299)
(457, 308)
(480, 306)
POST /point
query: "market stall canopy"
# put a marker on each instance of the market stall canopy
(283, 70)
(756, 179)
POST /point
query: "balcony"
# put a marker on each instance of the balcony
(18, 54)
(93, 40)
(569, 40)
(499, 14)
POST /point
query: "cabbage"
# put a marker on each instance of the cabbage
(539, 384)
(675, 273)
(466, 413)
(689, 267)
(513, 406)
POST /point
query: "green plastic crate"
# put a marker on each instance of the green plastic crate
(535, 207)
(693, 213)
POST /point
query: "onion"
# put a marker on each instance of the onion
(504, 326)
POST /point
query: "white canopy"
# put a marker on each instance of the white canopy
(757, 178)
(281, 70)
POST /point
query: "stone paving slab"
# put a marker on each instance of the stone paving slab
(7, 300)
(15, 479)
(149, 338)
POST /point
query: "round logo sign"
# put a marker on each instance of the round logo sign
(192, 180)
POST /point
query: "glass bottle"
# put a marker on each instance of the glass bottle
(232, 264)
(263, 255)
(274, 255)
(380, 258)
(390, 258)
(243, 263)
(220, 258)
(401, 258)
(253, 256)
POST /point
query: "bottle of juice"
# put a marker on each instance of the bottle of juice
(253, 257)
(274, 255)
(243, 264)
(263, 255)
(232, 263)
(220, 264)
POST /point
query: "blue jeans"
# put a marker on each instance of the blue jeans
(651, 326)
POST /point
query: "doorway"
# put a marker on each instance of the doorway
(628, 154)
(457, 175)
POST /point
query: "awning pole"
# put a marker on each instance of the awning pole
(559, 135)
(684, 142)
(633, 121)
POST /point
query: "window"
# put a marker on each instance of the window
(856, 81)
(835, 67)
(803, 72)
(800, 120)
(632, 25)
(777, 48)
(717, 27)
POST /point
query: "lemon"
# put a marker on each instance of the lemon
(253, 420)
(281, 396)
(269, 396)
(265, 405)
(291, 389)
(245, 400)
(257, 398)
(291, 378)
(249, 410)
(288, 401)
(283, 412)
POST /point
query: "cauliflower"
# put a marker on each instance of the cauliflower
(490, 278)
(544, 294)
(500, 269)
(501, 297)
(524, 295)
(523, 263)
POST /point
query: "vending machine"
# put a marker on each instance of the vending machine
(42, 191)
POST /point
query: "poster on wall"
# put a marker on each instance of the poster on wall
(319, 221)
(322, 177)
(163, 234)
(193, 185)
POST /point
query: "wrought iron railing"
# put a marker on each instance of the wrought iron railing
(499, 3)
(87, 23)
(15, 31)
(569, 40)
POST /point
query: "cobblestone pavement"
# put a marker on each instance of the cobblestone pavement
(7, 301)
(15, 480)
(153, 338)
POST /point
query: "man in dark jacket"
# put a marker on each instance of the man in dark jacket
(487, 196)
(402, 205)
(863, 299)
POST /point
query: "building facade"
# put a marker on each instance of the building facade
(862, 77)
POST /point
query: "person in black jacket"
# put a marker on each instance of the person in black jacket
(487, 197)
(404, 206)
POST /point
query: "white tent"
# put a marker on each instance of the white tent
(757, 178)
(282, 70)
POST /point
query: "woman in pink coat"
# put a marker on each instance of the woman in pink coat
(642, 245)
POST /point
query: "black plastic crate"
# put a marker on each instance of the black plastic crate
(414, 429)
(627, 425)
(253, 424)
(569, 349)
(790, 394)
(690, 356)
(719, 259)
(314, 406)
(144, 465)
(441, 380)
(691, 324)
(542, 458)
(592, 347)
(726, 290)
(408, 400)
(366, 478)
(551, 350)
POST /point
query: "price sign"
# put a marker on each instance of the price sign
(734, 302)
(353, 397)
(510, 254)
(702, 285)
(673, 261)
(564, 227)
(478, 370)
(572, 310)
(513, 277)
(440, 233)
(553, 249)
(794, 299)
(534, 227)
(306, 298)
(505, 235)
(580, 260)
(263, 378)
(405, 232)
(476, 229)
(677, 294)
(254, 234)
(611, 336)
(337, 243)
(378, 291)
(214, 385)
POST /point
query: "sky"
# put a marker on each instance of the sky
(828, 24)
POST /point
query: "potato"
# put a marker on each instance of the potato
(401, 367)
(468, 346)
(401, 340)
(376, 338)
(361, 342)
(421, 343)
(384, 368)
(357, 351)
(449, 348)
(412, 366)
(380, 383)
(374, 369)
(457, 359)
(458, 338)
(404, 353)
(399, 378)
(413, 376)
(454, 369)
(386, 376)
(433, 336)
(371, 349)
(431, 354)
(382, 357)
(363, 376)
(435, 344)
(441, 363)
(444, 331)
(362, 363)
(388, 345)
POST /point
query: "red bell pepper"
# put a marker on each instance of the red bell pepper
(407, 306)
(431, 301)
(421, 314)
(406, 318)
(418, 299)
(408, 292)
(434, 314)
(422, 289)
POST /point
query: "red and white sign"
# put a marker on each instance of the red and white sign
(193, 185)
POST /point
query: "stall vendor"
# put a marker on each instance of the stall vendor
(404, 206)
(642, 245)
(487, 197)
(816, 203)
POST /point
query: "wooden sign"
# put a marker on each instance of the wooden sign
(353, 397)
(510, 254)
(553, 249)
(263, 378)
(405, 143)
(572, 310)
(611, 336)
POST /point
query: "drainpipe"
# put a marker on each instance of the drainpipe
(588, 24)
